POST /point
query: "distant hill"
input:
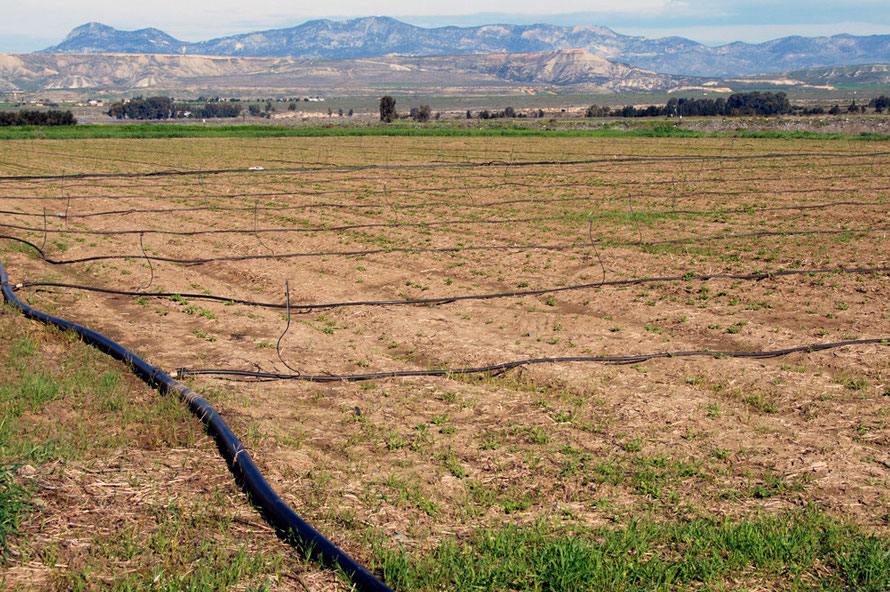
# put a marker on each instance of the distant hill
(99, 38)
(375, 36)
(864, 75)
(173, 72)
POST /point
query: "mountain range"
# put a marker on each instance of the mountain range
(376, 36)
(120, 71)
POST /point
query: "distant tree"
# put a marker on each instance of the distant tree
(254, 109)
(138, 108)
(292, 107)
(27, 117)
(596, 111)
(340, 112)
(880, 104)
(509, 112)
(485, 114)
(207, 111)
(853, 107)
(835, 109)
(469, 114)
(388, 109)
(350, 113)
(421, 114)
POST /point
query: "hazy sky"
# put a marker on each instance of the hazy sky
(30, 25)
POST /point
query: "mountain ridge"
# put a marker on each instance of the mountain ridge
(176, 71)
(374, 36)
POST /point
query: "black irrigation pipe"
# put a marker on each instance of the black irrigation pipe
(276, 511)
(464, 188)
(283, 230)
(752, 210)
(230, 258)
(748, 210)
(449, 299)
(484, 176)
(457, 249)
(759, 233)
(428, 204)
(493, 163)
(503, 367)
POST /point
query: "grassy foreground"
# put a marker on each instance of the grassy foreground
(801, 550)
(105, 484)
(74, 421)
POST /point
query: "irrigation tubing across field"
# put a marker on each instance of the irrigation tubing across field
(282, 517)
(288, 208)
(465, 188)
(341, 228)
(493, 163)
(455, 249)
(504, 366)
(455, 222)
(404, 206)
(297, 307)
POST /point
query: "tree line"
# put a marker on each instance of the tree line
(34, 117)
(164, 108)
(880, 103)
(750, 103)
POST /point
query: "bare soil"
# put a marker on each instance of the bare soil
(418, 459)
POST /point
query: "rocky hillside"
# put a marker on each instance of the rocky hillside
(374, 36)
(866, 74)
(99, 38)
(572, 67)
(577, 68)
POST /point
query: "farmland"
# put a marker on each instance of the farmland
(421, 254)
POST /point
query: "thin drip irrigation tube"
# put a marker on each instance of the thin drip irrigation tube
(283, 230)
(492, 163)
(503, 367)
(442, 189)
(279, 514)
(450, 299)
(456, 249)
(334, 205)
(229, 258)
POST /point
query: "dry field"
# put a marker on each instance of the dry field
(410, 462)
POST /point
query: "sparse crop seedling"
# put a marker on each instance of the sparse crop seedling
(363, 286)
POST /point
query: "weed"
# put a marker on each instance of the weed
(13, 504)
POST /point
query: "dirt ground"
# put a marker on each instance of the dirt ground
(341, 220)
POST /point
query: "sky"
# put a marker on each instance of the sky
(31, 25)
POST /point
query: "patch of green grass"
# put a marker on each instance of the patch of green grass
(803, 548)
(29, 393)
(657, 128)
(13, 503)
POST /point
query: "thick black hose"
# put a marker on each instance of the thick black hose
(496, 368)
(278, 513)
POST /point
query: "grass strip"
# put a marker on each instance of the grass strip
(13, 503)
(167, 130)
(801, 550)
